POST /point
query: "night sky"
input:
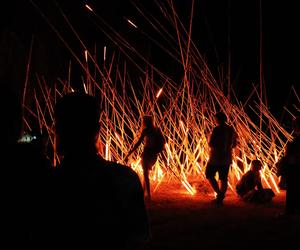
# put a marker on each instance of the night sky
(214, 22)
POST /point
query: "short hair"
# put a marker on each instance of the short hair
(148, 120)
(256, 164)
(77, 113)
(221, 117)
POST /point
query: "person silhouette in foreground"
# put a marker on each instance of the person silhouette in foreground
(153, 145)
(250, 187)
(100, 203)
(222, 140)
(289, 168)
(24, 180)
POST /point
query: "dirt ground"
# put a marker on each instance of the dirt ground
(179, 220)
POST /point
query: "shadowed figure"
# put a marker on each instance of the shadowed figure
(289, 168)
(153, 144)
(25, 180)
(222, 140)
(100, 203)
(250, 188)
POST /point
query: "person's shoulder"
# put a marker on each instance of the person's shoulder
(120, 170)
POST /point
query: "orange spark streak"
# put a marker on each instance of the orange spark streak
(159, 92)
(189, 188)
(86, 55)
(132, 23)
(89, 8)
(104, 53)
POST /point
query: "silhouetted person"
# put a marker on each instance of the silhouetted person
(24, 178)
(153, 144)
(222, 140)
(250, 187)
(289, 168)
(100, 203)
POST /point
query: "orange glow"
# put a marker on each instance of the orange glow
(185, 117)
(189, 188)
(159, 92)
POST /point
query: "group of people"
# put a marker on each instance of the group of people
(86, 199)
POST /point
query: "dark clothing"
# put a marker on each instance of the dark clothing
(26, 190)
(222, 170)
(250, 189)
(289, 169)
(249, 181)
(100, 203)
(222, 141)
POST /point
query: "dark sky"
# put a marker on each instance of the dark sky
(214, 22)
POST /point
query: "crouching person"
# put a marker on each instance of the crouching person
(250, 188)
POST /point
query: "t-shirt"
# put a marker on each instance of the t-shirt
(222, 140)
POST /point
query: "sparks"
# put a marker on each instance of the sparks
(89, 8)
(104, 53)
(132, 23)
(159, 92)
(86, 55)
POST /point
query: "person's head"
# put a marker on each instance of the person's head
(77, 122)
(256, 165)
(148, 121)
(221, 118)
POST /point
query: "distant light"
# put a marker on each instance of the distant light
(89, 8)
(132, 23)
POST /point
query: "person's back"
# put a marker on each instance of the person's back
(250, 187)
(289, 168)
(100, 202)
(154, 139)
(222, 141)
(247, 183)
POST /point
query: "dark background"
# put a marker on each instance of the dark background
(214, 24)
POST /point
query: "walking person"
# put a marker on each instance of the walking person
(222, 140)
(154, 142)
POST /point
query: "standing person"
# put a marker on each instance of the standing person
(222, 140)
(154, 142)
(99, 203)
(289, 168)
(250, 188)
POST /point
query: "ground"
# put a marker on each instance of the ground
(179, 220)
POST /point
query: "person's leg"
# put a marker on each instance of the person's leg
(210, 172)
(148, 161)
(223, 175)
(146, 182)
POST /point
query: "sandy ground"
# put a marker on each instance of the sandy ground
(181, 221)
